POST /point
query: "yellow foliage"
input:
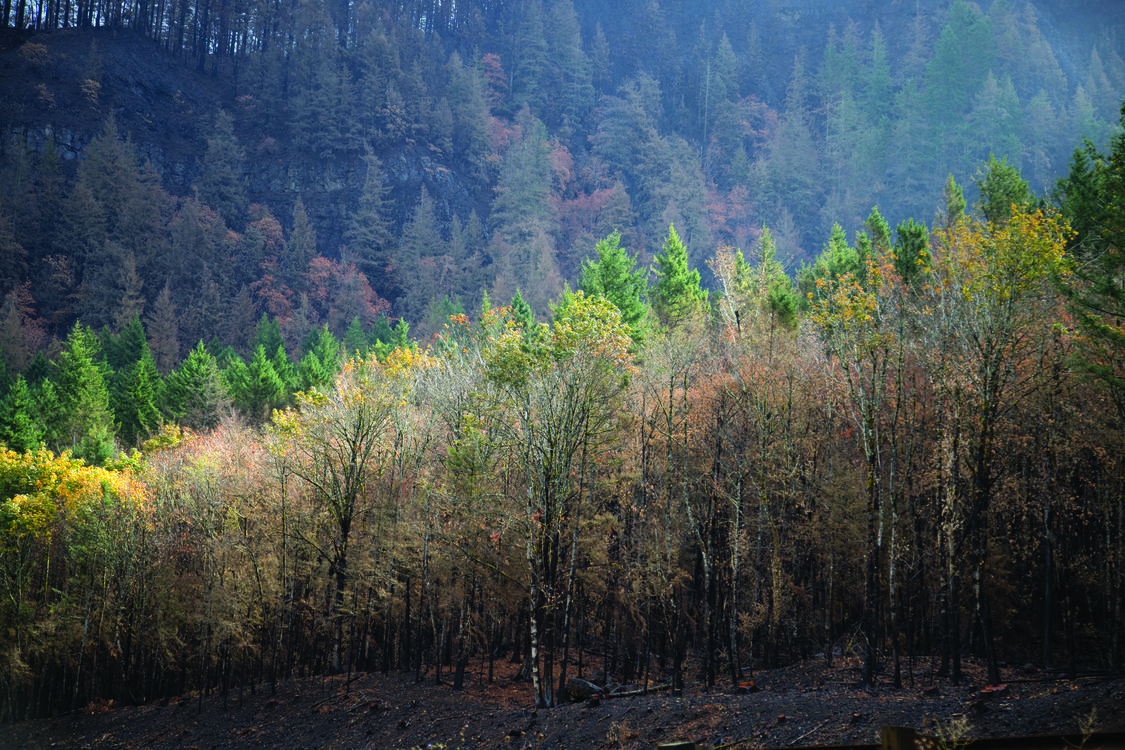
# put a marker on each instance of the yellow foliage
(40, 489)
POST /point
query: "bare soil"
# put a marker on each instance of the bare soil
(800, 705)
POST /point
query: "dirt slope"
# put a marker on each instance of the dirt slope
(807, 704)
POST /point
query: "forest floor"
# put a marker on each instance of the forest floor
(800, 705)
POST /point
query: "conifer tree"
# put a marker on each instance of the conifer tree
(256, 387)
(163, 328)
(677, 295)
(911, 250)
(1001, 187)
(196, 395)
(137, 397)
(86, 423)
(222, 184)
(299, 250)
(20, 427)
(524, 316)
(613, 274)
(953, 200)
(355, 338)
(368, 237)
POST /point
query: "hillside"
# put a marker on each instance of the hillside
(788, 115)
(430, 337)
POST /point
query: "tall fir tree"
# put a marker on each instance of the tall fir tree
(222, 183)
(368, 239)
(20, 426)
(86, 419)
(613, 274)
(677, 294)
(196, 395)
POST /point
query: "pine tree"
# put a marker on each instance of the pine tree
(20, 426)
(613, 274)
(355, 339)
(137, 397)
(86, 424)
(299, 250)
(321, 361)
(222, 184)
(778, 295)
(196, 395)
(911, 251)
(256, 387)
(368, 236)
(267, 334)
(163, 329)
(1001, 187)
(677, 295)
(524, 316)
(953, 200)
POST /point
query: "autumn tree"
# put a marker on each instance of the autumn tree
(340, 442)
(990, 310)
(560, 397)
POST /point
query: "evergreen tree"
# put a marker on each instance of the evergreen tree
(613, 274)
(137, 396)
(1092, 197)
(778, 295)
(953, 200)
(256, 387)
(222, 182)
(163, 328)
(299, 250)
(355, 341)
(86, 424)
(421, 254)
(1001, 187)
(530, 58)
(912, 250)
(677, 295)
(321, 361)
(524, 316)
(20, 426)
(267, 334)
(368, 237)
(196, 395)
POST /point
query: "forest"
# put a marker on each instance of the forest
(459, 340)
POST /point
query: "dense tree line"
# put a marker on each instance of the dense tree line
(530, 131)
(898, 455)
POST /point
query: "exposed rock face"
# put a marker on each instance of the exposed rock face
(63, 85)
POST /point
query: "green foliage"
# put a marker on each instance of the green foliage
(136, 396)
(355, 338)
(267, 334)
(1001, 187)
(1092, 197)
(835, 261)
(368, 236)
(524, 316)
(911, 250)
(614, 275)
(953, 200)
(677, 295)
(20, 427)
(781, 299)
(222, 183)
(256, 388)
(196, 394)
(85, 418)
